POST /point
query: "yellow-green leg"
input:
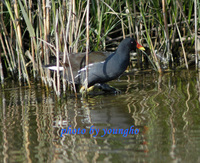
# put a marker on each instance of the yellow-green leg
(82, 90)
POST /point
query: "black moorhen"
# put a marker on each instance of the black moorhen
(102, 66)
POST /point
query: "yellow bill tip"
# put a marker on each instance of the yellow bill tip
(140, 46)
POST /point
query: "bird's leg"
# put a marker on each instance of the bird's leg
(82, 90)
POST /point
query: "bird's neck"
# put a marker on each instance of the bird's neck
(122, 58)
(123, 53)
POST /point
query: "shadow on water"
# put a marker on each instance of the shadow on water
(164, 108)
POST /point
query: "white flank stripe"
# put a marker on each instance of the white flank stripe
(77, 75)
(89, 66)
(84, 68)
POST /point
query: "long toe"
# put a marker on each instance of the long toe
(106, 88)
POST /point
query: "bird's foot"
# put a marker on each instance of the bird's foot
(101, 86)
(106, 88)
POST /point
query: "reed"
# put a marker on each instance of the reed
(196, 52)
(1, 71)
(32, 32)
(57, 54)
(87, 41)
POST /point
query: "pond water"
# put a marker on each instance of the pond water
(164, 109)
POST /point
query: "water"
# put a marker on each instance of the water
(164, 108)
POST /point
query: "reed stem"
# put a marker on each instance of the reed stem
(87, 42)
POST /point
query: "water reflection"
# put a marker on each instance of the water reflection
(164, 107)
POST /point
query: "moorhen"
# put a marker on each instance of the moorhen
(102, 67)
